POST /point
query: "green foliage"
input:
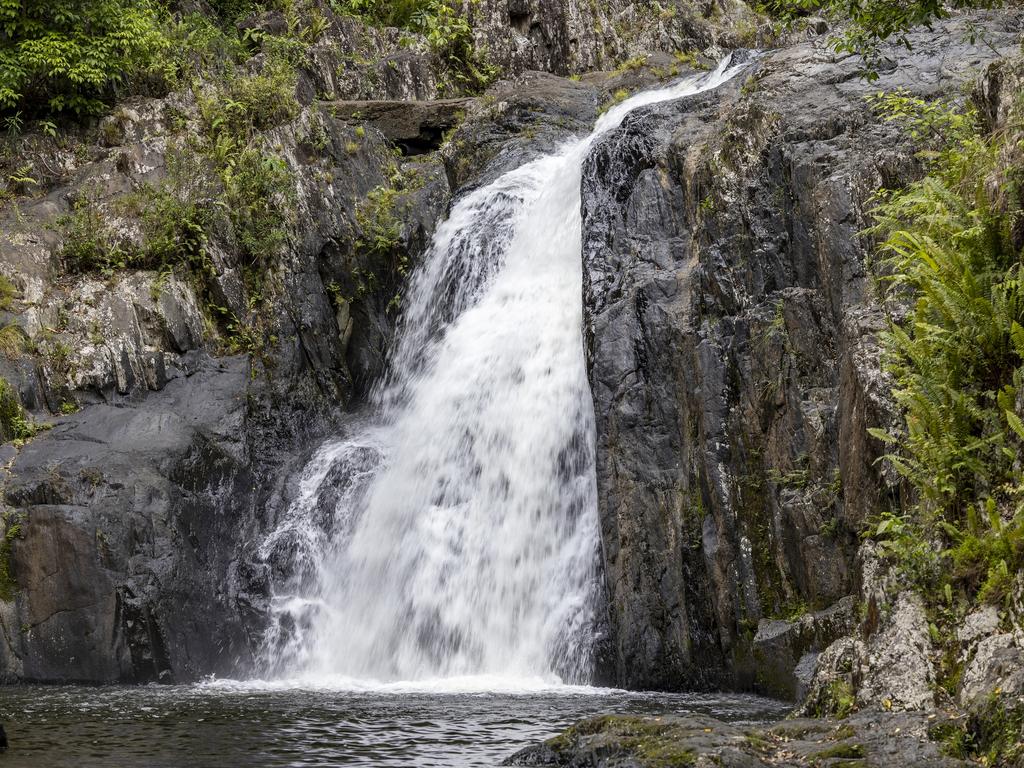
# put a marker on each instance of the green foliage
(450, 37)
(76, 56)
(955, 349)
(8, 294)
(932, 123)
(244, 191)
(646, 741)
(868, 23)
(225, 180)
(380, 227)
(258, 191)
(12, 340)
(384, 13)
(839, 752)
(246, 104)
(12, 530)
(230, 11)
(987, 552)
(201, 48)
(902, 539)
(14, 424)
(257, 186)
(381, 239)
(89, 244)
(691, 59)
(616, 98)
(443, 25)
(838, 700)
(176, 215)
(993, 735)
(634, 62)
(71, 55)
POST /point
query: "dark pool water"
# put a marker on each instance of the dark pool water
(234, 725)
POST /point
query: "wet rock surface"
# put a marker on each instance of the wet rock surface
(129, 526)
(865, 739)
(129, 514)
(730, 326)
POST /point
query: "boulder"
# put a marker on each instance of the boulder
(786, 652)
(416, 127)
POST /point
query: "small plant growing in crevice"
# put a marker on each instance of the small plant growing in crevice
(15, 425)
(12, 530)
(8, 294)
(617, 97)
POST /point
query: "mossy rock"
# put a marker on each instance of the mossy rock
(648, 741)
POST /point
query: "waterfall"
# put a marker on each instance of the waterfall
(454, 531)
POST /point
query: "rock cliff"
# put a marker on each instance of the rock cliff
(731, 322)
(730, 334)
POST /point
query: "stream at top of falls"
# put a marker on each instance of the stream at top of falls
(438, 567)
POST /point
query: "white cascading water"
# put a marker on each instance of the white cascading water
(454, 534)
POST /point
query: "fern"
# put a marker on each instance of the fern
(955, 349)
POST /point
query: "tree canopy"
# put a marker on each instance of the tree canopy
(67, 55)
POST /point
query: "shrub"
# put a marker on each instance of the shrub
(175, 218)
(12, 340)
(8, 293)
(258, 191)
(450, 36)
(991, 735)
(199, 47)
(72, 55)
(89, 244)
(445, 27)
(14, 424)
(955, 349)
(385, 13)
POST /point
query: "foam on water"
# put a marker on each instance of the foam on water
(466, 684)
(451, 541)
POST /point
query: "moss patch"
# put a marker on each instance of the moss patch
(840, 752)
(652, 743)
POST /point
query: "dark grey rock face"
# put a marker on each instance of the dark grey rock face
(567, 36)
(415, 126)
(730, 323)
(130, 521)
(786, 652)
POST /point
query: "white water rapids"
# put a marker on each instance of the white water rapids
(454, 535)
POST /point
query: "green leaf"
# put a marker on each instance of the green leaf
(881, 434)
(1015, 423)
